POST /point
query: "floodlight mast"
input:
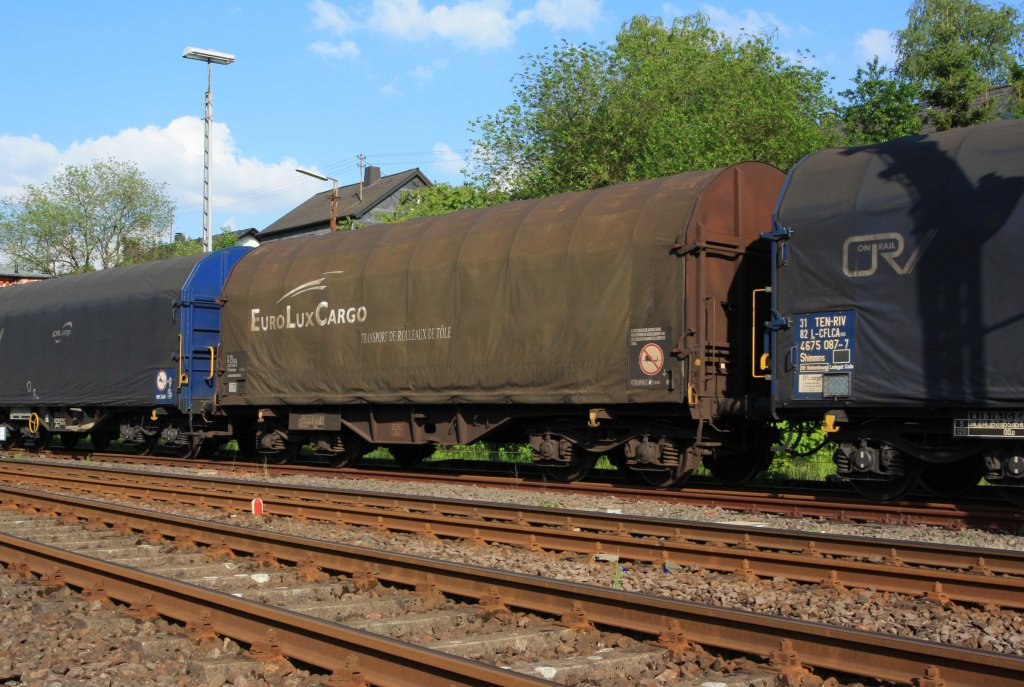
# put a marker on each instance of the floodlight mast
(334, 193)
(209, 57)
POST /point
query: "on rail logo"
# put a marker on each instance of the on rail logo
(861, 253)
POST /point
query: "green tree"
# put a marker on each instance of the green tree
(880, 107)
(660, 100)
(86, 217)
(442, 199)
(957, 50)
(177, 247)
(1017, 82)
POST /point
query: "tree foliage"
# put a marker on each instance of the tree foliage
(86, 217)
(180, 246)
(442, 199)
(957, 50)
(660, 100)
(881, 106)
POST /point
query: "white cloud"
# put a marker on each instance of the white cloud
(172, 154)
(753, 22)
(334, 20)
(447, 160)
(425, 72)
(482, 24)
(343, 51)
(877, 42)
(567, 14)
(25, 160)
(331, 18)
(474, 23)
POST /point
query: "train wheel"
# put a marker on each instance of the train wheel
(735, 469)
(675, 461)
(666, 479)
(576, 469)
(100, 440)
(69, 440)
(354, 451)
(42, 441)
(286, 455)
(14, 439)
(883, 490)
(1014, 495)
(952, 479)
(410, 455)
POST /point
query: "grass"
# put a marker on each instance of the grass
(815, 466)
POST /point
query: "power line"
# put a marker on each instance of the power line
(336, 169)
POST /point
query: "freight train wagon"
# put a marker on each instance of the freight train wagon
(127, 352)
(899, 318)
(615, 321)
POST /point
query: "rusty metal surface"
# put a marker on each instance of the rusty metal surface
(785, 502)
(405, 313)
(331, 646)
(804, 557)
(890, 658)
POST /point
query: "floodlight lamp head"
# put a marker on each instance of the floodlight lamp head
(315, 175)
(204, 55)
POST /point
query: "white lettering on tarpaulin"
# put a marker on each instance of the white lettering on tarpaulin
(406, 335)
(62, 333)
(322, 315)
(889, 246)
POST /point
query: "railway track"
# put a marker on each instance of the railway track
(963, 575)
(832, 504)
(259, 617)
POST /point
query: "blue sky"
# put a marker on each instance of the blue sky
(317, 83)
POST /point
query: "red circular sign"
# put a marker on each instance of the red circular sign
(652, 359)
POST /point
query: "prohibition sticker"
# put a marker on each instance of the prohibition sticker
(652, 359)
(161, 380)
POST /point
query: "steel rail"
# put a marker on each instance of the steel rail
(834, 505)
(381, 660)
(799, 557)
(292, 497)
(826, 647)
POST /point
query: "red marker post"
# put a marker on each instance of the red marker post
(257, 506)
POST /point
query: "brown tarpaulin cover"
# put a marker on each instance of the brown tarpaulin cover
(530, 302)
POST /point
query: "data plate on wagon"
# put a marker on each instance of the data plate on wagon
(990, 424)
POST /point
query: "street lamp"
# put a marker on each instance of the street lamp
(334, 194)
(209, 57)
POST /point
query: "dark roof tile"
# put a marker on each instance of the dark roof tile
(317, 210)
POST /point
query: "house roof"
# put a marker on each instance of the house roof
(1002, 98)
(317, 210)
(240, 234)
(11, 272)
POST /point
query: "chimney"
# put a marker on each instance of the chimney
(372, 175)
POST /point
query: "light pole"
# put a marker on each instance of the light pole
(209, 57)
(334, 194)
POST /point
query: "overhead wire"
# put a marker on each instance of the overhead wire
(335, 169)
